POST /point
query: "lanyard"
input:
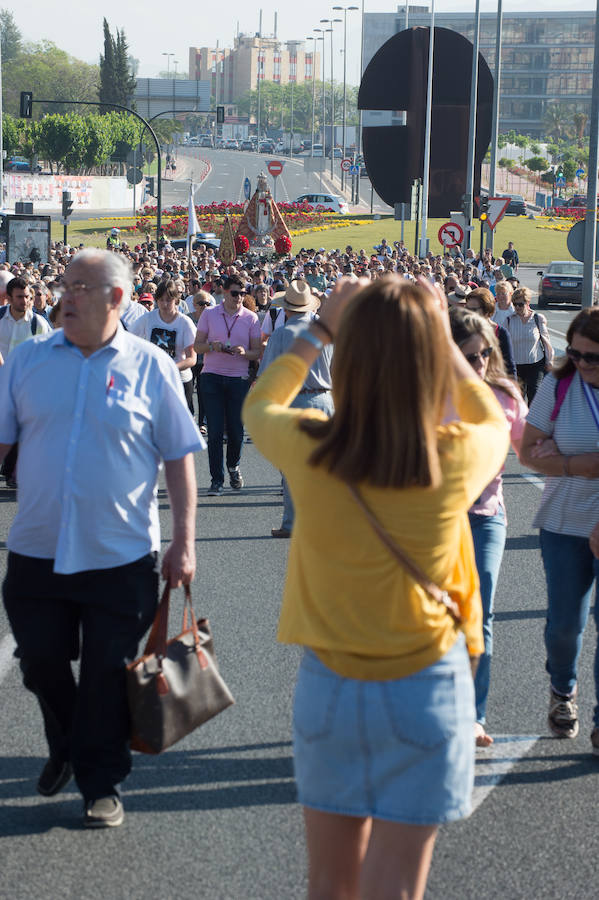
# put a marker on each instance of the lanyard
(592, 401)
(229, 330)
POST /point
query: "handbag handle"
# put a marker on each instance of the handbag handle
(157, 639)
(413, 570)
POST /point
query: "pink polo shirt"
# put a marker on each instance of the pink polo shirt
(235, 330)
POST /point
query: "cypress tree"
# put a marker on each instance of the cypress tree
(107, 92)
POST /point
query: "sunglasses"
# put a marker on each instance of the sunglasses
(484, 354)
(238, 293)
(519, 305)
(591, 359)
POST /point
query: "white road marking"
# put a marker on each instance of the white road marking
(534, 479)
(7, 648)
(493, 763)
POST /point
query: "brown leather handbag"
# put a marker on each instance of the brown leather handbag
(175, 686)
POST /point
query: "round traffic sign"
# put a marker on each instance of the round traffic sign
(345, 165)
(134, 176)
(450, 234)
(275, 167)
(580, 173)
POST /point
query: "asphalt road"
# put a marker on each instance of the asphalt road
(216, 816)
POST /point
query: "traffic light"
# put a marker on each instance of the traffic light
(220, 115)
(67, 205)
(483, 209)
(26, 104)
(149, 191)
(467, 206)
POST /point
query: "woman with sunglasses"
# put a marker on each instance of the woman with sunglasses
(532, 346)
(482, 301)
(475, 336)
(561, 441)
(228, 336)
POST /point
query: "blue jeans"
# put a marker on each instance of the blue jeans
(222, 398)
(570, 569)
(488, 535)
(323, 401)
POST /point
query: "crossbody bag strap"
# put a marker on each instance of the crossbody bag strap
(411, 568)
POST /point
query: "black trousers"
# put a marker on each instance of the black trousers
(530, 376)
(98, 616)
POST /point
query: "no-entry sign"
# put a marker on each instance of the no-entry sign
(275, 167)
(450, 234)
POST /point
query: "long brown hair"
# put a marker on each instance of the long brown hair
(391, 375)
(464, 325)
(586, 323)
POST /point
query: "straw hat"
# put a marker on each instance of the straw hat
(297, 297)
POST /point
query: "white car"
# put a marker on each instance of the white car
(330, 201)
(317, 150)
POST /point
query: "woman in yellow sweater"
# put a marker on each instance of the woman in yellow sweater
(384, 711)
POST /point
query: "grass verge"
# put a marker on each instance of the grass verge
(534, 244)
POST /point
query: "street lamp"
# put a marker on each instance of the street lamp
(322, 32)
(168, 63)
(345, 10)
(312, 38)
(331, 22)
(175, 63)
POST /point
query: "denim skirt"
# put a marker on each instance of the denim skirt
(401, 750)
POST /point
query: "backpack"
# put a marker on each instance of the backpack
(3, 310)
(274, 313)
(561, 389)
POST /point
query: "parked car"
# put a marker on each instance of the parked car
(20, 164)
(330, 201)
(231, 144)
(517, 205)
(561, 282)
(318, 150)
(193, 141)
(337, 153)
(207, 141)
(266, 147)
(246, 145)
(208, 238)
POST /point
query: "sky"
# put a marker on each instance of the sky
(154, 27)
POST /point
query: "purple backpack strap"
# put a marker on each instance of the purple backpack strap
(561, 389)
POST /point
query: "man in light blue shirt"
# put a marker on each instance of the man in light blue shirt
(103, 408)
(300, 304)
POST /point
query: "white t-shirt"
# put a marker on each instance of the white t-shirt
(266, 327)
(14, 331)
(500, 316)
(172, 337)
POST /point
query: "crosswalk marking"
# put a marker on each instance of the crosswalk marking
(493, 763)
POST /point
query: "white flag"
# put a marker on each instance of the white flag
(192, 219)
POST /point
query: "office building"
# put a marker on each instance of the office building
(232, 72)
(546, 58)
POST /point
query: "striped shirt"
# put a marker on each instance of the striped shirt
(569, 505)
(528, 340)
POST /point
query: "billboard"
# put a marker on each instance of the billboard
(28, 239)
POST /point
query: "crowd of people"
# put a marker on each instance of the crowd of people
(395, 445)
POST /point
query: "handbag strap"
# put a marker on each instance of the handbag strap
(157, 639)
(412, 569)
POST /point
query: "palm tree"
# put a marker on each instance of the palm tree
(580, 123)
(557, 119)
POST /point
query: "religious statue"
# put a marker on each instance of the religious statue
(262, 222)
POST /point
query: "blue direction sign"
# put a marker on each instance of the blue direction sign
(247, 188)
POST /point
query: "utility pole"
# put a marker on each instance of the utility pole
(497, 81)
(427, 132)
(590, 233)
(472, 127)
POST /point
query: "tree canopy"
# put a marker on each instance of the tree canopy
(117, 83)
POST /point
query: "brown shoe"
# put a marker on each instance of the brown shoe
(280, 533)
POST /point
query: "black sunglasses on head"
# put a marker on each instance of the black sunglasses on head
(591, 359)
